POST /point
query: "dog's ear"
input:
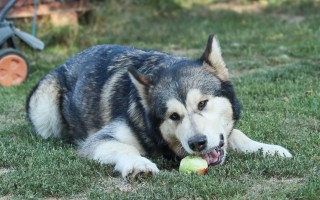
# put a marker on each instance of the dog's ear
(141, 82)
(213, 60)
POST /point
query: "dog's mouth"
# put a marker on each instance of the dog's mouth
(214, 157)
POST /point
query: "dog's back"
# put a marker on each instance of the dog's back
(92, 88)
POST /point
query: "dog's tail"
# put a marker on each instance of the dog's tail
(43, 107)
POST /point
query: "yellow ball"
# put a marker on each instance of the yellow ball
(193, 164)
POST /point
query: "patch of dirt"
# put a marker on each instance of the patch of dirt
(4, 171)
(192, 198)
(290, 19)
(11, 119)
(5, 198)
(108, 185)
(254, 7)
(76, 197)
(273, 183)
(114, 183)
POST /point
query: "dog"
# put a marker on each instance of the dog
(119, 104)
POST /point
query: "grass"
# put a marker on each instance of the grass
(275, 66)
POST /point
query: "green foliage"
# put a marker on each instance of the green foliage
(274, 60)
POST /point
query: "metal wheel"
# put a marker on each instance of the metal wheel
(13, 67)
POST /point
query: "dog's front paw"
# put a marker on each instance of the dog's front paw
(137, 165)
(276, 150)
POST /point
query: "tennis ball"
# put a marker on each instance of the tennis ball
(193, 164)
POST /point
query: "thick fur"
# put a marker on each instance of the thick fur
(120, 103)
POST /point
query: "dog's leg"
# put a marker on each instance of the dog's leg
(126, 158)
(242, 143)
(118, 146)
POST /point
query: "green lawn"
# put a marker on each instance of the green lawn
(274, 59)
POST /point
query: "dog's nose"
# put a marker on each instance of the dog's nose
(198, 142)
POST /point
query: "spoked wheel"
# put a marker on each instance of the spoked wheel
(13, 67)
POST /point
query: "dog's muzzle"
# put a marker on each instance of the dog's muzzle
(214, 156)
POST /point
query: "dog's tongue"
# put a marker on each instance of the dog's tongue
(211, 157)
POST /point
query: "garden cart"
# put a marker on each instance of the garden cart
(13, 64)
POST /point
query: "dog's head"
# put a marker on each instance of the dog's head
(193, 104)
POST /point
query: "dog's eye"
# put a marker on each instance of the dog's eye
(202, 104)
(174, 117)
